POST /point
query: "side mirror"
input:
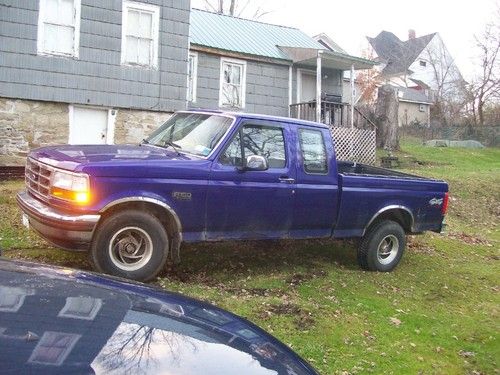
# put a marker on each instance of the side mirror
(256, 163)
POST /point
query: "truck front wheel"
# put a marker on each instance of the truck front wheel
(382, 247)
(130, 244)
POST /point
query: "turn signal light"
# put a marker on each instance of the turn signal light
(80, 197)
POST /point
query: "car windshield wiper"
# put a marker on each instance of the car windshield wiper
(174, 145)
(144, 142)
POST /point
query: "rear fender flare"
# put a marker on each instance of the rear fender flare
(394, 207)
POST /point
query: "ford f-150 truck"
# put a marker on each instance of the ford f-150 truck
(213, 176)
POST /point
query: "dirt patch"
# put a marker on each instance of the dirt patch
(468, 239)
(300, 278)
(303, 319)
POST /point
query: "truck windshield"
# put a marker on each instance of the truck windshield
(193, 133)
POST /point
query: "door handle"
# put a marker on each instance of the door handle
(287, 180)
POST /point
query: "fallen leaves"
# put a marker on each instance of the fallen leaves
(395, 321)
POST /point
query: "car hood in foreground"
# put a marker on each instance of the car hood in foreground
(61, 321)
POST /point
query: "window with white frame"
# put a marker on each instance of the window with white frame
(140, 31)
(192, 76)
(85, 308)
(12, 298)
(233, 82)
(59, 27)
(53, 348)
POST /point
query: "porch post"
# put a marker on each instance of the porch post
(351, 145)
(352, 96)
(318, 87)
(290, 90)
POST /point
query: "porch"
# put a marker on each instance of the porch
(318, 100)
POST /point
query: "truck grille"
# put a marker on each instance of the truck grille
(37, 176)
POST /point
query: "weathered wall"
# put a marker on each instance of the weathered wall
(266, 86)
(96, 77)
(132, 126)
(410, 113)
(27, 124)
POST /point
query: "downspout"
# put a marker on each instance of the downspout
(318, 87)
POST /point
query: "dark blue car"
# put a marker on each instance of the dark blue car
(62, 321)
(212, 176)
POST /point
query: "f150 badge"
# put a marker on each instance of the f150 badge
(181, 195)
(436, 202)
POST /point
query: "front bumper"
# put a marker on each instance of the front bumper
(63, 229)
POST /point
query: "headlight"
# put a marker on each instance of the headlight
(72, 187)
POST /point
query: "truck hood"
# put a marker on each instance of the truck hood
(77, 157)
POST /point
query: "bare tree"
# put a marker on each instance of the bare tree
(485, 88)
(237, 8)
(448, 90)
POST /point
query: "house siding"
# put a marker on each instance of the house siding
(266, 85)
(410, 114)
(96, 77)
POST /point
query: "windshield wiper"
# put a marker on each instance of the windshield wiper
(174, 145)
(144, 142)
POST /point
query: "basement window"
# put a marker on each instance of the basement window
(59, 28)
(140, 32)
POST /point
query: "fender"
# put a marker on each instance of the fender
(389, 208)
(176, 241)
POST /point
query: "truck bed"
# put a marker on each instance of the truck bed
(353, 168)
(365, 190)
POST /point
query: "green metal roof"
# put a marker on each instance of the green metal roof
(245, 36)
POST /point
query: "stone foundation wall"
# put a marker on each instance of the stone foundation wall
(132, 126)
(27, 124)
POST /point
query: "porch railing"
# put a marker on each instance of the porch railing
(332, 113)
(354, 144)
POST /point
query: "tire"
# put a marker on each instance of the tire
(382, 247)
(130, 244)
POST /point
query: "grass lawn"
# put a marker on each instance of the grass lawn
(437, 313)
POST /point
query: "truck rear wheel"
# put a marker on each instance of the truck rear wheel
(382, 247)
(130, 244)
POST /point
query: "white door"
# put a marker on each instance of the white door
(88, 126)
(308, 87)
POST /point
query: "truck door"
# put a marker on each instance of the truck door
(252, 204)
(316, 192)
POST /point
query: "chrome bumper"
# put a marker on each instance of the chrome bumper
(66, 230)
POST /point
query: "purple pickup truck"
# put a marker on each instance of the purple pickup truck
(214, 176)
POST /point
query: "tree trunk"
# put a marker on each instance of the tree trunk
(387, 118)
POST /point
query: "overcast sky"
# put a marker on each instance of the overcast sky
(349, 22)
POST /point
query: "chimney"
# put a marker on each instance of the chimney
(412, 34)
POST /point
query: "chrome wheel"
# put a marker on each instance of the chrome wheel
(388, 249)
(130, 248)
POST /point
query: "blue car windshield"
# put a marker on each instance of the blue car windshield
(193, 133)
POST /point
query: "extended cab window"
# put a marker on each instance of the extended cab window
(256, 140)
(313, 150)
